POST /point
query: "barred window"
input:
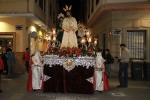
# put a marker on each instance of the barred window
(136, 43)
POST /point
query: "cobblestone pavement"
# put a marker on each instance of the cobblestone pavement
(15, 89)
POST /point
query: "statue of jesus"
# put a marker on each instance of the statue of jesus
(70, 27)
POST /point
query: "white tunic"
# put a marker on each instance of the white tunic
(69, 37)
(37, 71)
(99, 69)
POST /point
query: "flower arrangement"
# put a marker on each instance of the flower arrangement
(70, 52)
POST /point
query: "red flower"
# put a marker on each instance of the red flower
(77, 54)
(67, 50)
(70, 55)
(79, 50)
(64, 55)
(59, 50)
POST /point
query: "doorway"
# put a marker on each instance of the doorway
(7, 40)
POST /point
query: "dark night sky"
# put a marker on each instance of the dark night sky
(75, 6)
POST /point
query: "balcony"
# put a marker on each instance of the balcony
(22, 8)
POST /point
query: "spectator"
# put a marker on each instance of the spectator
(4, 58)
(108, 62)
(10, 62)
(27, 59)
(123, 66)
(1, 70)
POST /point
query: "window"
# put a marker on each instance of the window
(54, 17)
(97, 2)
(41, 4)
(44, 5)
(136, 43)
(89, 9)
(50, 9)
(92, 6)
(104, 41)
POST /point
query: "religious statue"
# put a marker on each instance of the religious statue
(70, 27)
(59, 29)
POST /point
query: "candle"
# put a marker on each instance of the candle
(54, 38)
(95, 41)
(49, 38)
(54, 30)
(89, 39)
(87, 33)
(83, 40)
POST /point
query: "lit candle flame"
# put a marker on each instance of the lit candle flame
(95, 41)
(54, 38)
(49, 38)
(87, 33)
(89, 39)
(83, 40)
(54, 30)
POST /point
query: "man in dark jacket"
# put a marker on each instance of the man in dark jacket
(10, 62)
(108, 62)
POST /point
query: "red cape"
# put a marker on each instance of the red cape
(105, 80)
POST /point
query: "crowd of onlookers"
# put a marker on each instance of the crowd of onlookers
(123, 64)
(7, 61)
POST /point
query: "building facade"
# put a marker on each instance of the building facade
(25, 23)
(121, 21)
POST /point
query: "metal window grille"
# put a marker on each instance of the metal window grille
(136, 41)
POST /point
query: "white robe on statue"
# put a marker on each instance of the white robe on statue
(69, 37)
(99, 69)
(37, 71)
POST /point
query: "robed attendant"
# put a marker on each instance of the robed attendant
(100, 75)
(35, 77)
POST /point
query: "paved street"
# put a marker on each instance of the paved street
(15, 89)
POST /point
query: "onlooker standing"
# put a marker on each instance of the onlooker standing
(4, 58)
(123, 66)
(27, 59)
(1, 70)
(10, 62)
(108, 62)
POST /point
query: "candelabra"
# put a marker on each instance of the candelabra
(87, 41)
(51, 39)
